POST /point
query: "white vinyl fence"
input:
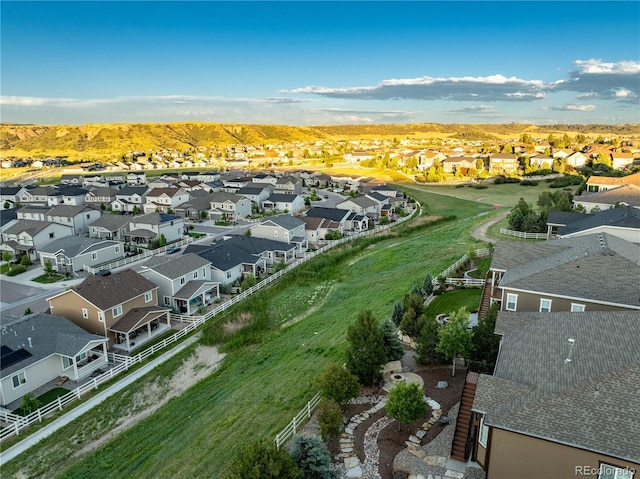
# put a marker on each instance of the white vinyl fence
(19, 423)
(299, 420)
(520, 234)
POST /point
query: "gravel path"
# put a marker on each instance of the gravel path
(480, 233)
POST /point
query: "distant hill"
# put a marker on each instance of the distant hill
(110, 140)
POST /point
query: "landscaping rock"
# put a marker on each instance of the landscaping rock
(355, 472)
(442, 385)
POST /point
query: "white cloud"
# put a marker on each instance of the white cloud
(574, 107)
(595, 67)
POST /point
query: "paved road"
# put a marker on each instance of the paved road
(31, 440)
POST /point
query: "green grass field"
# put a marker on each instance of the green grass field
(261, 386)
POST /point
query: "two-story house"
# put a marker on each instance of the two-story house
(73, 253)
(100, 197)
(165, 200)
(229, 206)
(504, 164)
(184, 281)
(26, 237)
(284, 202)
(122, 307)
(113, 227)
(145, 228)
(285, 228)
(79, 218)
(130, 199)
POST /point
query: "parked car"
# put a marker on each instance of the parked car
(173, 249)
(103, 272)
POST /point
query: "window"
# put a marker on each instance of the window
(512, 302)
(183, 280)
(81, 357)
(88, 216)
(545, 305)
(66, 362)
(101, 316)
(577, 308)
(275, 233)
(195, 274)
(18, 380)
(484, 433)
(607, 471)
(167, 300)
(94, 256)
(148, 296)
(117, 249)
(85, 313)
(228, 274)
(117, 311)
(51, 235)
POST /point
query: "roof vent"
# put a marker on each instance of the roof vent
(570, 355)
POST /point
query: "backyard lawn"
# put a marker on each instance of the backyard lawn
(260, 386)
(453, 300)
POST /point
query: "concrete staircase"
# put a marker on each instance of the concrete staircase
(463, 424)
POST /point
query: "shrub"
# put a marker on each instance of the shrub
(16, 270)
(480, 187)
(499, 180)
(337, 383)
(313, 458)
(329, 419)
(528, 183)
(262, 458)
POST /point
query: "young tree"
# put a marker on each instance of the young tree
(428, 341)
(48, 268)
(392, 344)
(203, 215)
(455, 337)
(485, 342)
(313, 458)
(398, 312)
(405, 403)
(365, 351)
(6, 257)
(29, 403)
(427, 285)
(337, 383)
(329, 418)
(261, 459)
(25, 260)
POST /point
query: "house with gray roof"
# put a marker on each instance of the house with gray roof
(563, 399)
(79, 218)
(73, 253)
(363, 205)
(38, 348)
(333, 214)
(625, 195)
(130, 199)
(184, 281)
(146, 228)
(26, 237)
(285, 228)
(109, 226)
(595, 272)
(623, 222)
(229, 206)
(164, 200)
(197, 208)
(123, 307)
(257, 193)
(284, 202)
(230, 262)
(100, 196)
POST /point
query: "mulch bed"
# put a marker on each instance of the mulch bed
(392, 439)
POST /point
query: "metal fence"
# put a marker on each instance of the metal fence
(19, 423)
(521, 234)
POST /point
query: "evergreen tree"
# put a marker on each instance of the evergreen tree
(261, 459)
(398, 311)
(405, 403)
(313, 458)
(427, 285)
(337, 383)
(329, 418)
(365, 351)
(392, 345)
(428, 341)
(413, 310)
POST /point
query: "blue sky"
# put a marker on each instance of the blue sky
(313, 63)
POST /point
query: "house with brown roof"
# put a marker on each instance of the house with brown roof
(122, 306)
(563, 399)
(316, 228)
(504, 164)
(602, 183)
(621, 160)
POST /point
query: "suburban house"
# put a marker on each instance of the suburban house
(161, 200)
(113, 227)
(229, 262)
(333, 214)
(285, 228)
(356, 222)
(363, 205)
(38, 348)
(230, 206)
(356, 156)
(576, 159)
(100, 196)
(621, 160)
(602, 183)
(8, 218)
(184, 282)
(197, 208)
(288, 185)
(116, 178)
(542, 162)
(10, 195)
(265, 178)
(627, 195)
(284, 202)
(136, 178)
(458, 165)
(73, 253)
(272, 251)
(145, 228)
(130, 199)
(316, 229)
(232, 185)
(623, 222)
(123, 307)
(79, 218)
(257, 194)
(563, 400)
(26, 237)
(40, 196)
(573, 274)
(504, 164)
(71, 195)
(38, 213)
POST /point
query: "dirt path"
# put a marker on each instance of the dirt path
(480, 232)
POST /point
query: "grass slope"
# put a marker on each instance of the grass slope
(260, 387)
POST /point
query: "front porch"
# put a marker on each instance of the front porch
(139, 326)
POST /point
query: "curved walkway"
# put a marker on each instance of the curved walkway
(480, 233)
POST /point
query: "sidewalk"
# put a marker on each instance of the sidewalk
(62, 421)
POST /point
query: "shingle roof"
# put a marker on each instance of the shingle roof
(288, 222)
(111, 222)
(68, 211)
(332, 214)
(226, 255)
(174, 267)
(623, 217)
(31, 227)
(628, 194)
(281, 198)
(74, 245)
(587, 267)
(49, 335)
(108, 291)
(590, 402)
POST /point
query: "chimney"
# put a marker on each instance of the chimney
(29, 340)
(570, 355)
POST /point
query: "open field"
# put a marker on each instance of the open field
(259, 387)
